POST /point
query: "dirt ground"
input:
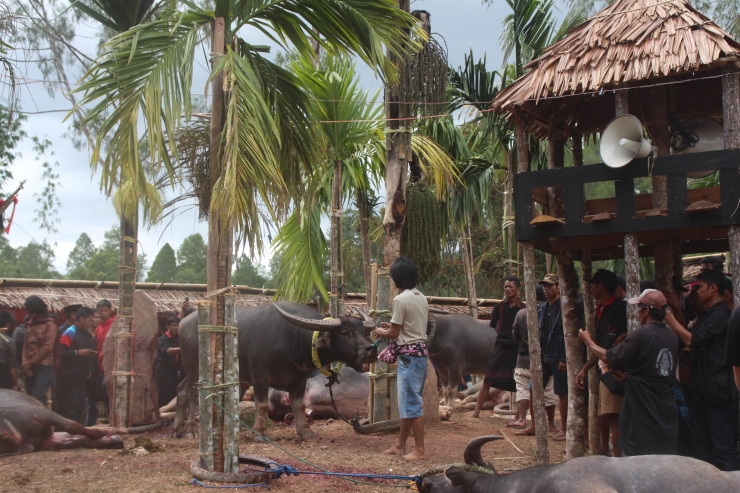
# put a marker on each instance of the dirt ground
(337, 447)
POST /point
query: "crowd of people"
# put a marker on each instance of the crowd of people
(40, 358)
(669, 387)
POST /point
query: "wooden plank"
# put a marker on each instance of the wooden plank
(625, 196)
(644, 201)
(205, 408)
(664, 165)
(539, 195)
(573, 198)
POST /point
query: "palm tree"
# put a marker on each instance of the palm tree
(260, 141)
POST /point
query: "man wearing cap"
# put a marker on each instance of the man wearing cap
(713, 388)
(648, 356)
(611, 324)
(552, 340)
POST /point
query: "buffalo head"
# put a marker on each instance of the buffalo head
(344, 339)
(457, 479)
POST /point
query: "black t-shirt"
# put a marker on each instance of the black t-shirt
(710, 376)
(612, 323)
(164, 361)
(732, 351)
(507, 322)
(651, 351)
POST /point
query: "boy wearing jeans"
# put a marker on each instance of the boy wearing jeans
(409, 328)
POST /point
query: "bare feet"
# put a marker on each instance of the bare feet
(395, 451)
(476, 414)
(560, 436)
(413, 456)
(552, 429)
(529, 432)
(516, 424)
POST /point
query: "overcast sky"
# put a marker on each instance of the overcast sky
(464, 24)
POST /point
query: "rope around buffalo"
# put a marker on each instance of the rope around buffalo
(414, 481)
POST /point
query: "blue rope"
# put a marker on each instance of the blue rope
(290, 470)
(235, 486)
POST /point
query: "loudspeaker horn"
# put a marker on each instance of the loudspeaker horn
(700, 134)
(622, 141)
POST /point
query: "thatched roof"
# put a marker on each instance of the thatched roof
(60, 293)
(627, 42)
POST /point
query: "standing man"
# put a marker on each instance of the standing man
(167, 369)
(713, 388)
(98, 389)
(712, 262)
(78, 360)
(648, 356)
(409, 328)
(500, 374)
(8, 353)
(552, 340)
(611, 324)
(38, 349)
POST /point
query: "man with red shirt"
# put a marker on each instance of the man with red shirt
(107, 317)
(97, 390)
(611, 324)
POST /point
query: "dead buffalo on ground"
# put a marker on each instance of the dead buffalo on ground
(350, 395)
(461, 344)
(275, 351)
(596, 474)
(26, 425)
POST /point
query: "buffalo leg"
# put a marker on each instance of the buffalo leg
(453, 380)
(59, 441)
(181, 408)
(262, 405)
(50, 418)
(299, 410)
(191, 430)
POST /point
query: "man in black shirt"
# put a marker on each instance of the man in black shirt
(732, 351)
(712, 383)
(167, 369)
(648, 420)
(77, 362)
(611, 323)
(500, 374)
(552, 340)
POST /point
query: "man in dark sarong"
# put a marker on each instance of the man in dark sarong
(500, 374)
(648, 421)
(167, 369)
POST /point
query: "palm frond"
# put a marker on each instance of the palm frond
(119, 15)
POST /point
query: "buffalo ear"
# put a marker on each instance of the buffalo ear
(323, 342)
(458, 477)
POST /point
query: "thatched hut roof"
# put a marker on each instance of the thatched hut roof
(624, 45)
(167, 298)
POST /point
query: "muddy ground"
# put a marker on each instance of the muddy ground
(337, 447)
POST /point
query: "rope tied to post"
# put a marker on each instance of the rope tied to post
(228, 329)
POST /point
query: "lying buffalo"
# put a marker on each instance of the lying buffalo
(350, 395)
(26, 425)
(643, 474)
(275, 342)
(461, 344)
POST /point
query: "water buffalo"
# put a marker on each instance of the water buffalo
(350, 395)
(26, 425)
(275, 351)
(461, 344)
(644, 474)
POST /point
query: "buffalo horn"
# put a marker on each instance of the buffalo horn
(311, 324)
(367, 322)
(472, 453)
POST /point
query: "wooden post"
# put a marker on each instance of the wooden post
(542, 453)
(731, 126)
(385, 388)
(372, 305)
(124, 323)
(631, 254)
(231, 393)
(568, 295)
(205, 406)
(594, 437)
(335, 273)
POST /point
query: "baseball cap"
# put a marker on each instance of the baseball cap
(550, 279)
(605, 276)
(652, 298)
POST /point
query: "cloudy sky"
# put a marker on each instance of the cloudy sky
(464, 24)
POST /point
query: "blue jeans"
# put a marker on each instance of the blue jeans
(39, 384)
(412, 373)
(713, 433)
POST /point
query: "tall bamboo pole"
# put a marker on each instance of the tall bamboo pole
(336, 275)
(205, 406)
(542, 453)
(231, 392)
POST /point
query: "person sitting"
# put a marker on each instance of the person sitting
(408, 327)
(8, 353)
(78, 360)
(167, 367)
(648, 421)
(713, 390)
(500, 374)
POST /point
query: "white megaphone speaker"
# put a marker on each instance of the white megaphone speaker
(700, 134)
(622, 141)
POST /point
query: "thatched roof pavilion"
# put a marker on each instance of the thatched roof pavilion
(625, 45)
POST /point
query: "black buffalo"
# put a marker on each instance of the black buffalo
(26, 425)
(461, 344)
(275, 351)
(596, 474)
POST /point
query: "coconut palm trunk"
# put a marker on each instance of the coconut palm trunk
(336, 275)
(364, 211)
